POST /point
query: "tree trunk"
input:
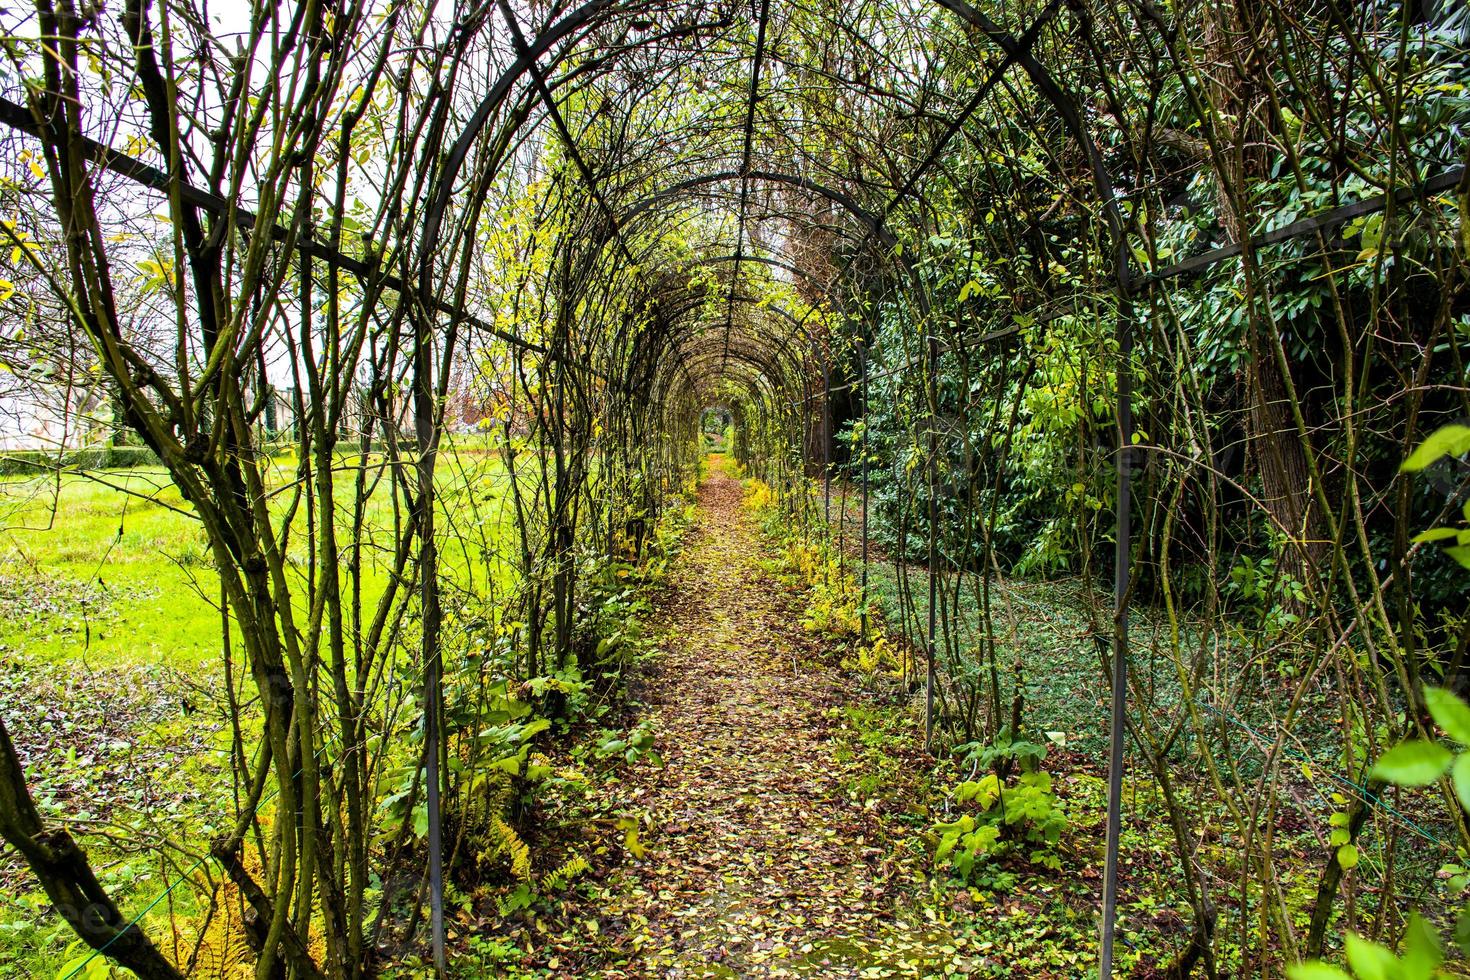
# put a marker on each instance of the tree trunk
(1276, 444)
(63, 870)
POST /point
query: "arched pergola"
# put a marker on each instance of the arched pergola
(627, 212)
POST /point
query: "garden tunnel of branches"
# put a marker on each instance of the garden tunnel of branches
(933, 260)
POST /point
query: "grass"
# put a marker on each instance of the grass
(110, 641)
(91, 573)
(111, 569)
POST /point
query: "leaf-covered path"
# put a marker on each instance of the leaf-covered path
(762, 860)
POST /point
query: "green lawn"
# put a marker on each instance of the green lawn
(90, 571)
(110, 567)
(110, 657)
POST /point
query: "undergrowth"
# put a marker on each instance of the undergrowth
(546, 821)
(1010, 827)
(834, 607)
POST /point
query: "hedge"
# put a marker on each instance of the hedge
(28, 462)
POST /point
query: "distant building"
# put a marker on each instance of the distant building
(41, 416)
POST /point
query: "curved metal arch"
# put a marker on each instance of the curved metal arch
(753, 379)
(799, 322)
(679, 330)
(687, 350)
(679, 219)
(762, 259)
(683, 330)
(874, 225)
(778, 341)
(587, 13)
(535, 47)
(454, 161)
(765, 378)
(753, 343)
(1066, 108)
(694, 374)
(792, 356)
(785, 351)
(749, 356)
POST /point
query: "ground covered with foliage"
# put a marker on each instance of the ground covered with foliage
(750, 798)
(784, 820)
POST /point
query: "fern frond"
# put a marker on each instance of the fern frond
(505, 841)
(565, 875)
(219, 951)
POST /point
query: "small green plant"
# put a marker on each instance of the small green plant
(1023, 815)
(636, 744)
(1413, 763)
(963, 842)
(1003, 753)
(1259, 585)
(529, 890)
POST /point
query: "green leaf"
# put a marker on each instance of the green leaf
(1339, 837)
(984, 838)
(1422, 952)
(1369, 960)
(1316, 971)
(1436, 534)
(1413, 763)
(1347, 858)
(1462, 930)
(421, 820)
(1449, 713)
(1451, 440)
(72, 966)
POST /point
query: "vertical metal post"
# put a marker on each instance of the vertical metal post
(863, 367)
(425, 425)
(1121, 556)
(827, 439)
(432, 737)
(933, 538)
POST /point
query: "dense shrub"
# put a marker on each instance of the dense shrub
(28, 462)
